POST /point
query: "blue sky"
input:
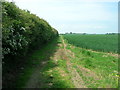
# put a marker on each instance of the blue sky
(80, 16)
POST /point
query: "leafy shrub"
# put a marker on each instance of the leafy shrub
(23, 31)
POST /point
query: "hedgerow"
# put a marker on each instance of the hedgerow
(23, 31)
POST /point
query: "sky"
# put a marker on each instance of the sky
(78, 16)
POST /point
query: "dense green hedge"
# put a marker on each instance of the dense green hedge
(22, 30)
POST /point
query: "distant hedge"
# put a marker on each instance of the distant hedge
(22, 30)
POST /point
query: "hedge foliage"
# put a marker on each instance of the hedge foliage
(22, 30)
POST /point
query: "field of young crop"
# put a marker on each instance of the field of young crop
(105, 43)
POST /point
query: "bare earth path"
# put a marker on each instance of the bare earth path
(77, 80)
(36, 78)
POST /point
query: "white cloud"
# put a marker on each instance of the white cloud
(83, 12)
(66, 15)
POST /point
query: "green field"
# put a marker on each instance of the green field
(106, 43)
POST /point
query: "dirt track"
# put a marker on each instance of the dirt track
(75, 77)
(36, 79)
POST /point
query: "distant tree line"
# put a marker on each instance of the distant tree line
(75, 33)
(111, 33)
(88, 33)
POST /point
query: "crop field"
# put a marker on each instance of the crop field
(105, 43)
